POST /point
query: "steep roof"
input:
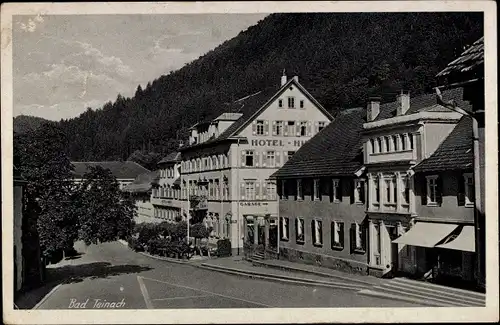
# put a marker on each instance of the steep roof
(251, 106)
(454, 153)
(426, 102)
(335, 151)
(143, 183)
(471, 59)
(171, 158)
(119, 169)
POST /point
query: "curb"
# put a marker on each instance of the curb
(300, 270)
(165, 259)
(51, 292)
(279, 278)
(371, 293)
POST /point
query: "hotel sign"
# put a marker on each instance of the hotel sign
(253, 204)
(276, 143)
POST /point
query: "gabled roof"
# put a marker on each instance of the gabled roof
(335, 151)
(144, 182)
(251, 106)
(454, 153)
(119, 169)
(426, 102)
(171, 158)
(471, 59)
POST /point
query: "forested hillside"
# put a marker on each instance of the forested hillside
(25, 123)
(340, 58)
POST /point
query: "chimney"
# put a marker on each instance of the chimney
(403, 100)
(283, 78)
(372, 109)
(296, 78)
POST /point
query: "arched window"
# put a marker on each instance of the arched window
(379, 145)
(372, 146)
(395, 143)
(214, 162)
(403, 141)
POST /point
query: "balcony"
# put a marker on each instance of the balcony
(382, 157)
(166, 202)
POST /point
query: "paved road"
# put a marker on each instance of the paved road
(111, 273)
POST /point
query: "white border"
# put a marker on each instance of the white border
(289, 315)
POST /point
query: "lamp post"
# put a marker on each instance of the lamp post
(477, 179)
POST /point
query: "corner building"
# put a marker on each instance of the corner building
(226, 165)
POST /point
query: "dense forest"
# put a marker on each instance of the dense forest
(26, 123)
(340, 58)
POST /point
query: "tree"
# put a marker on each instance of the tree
(104, 213)
(40, 157)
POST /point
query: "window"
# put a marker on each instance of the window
(337, 235)
(316, 190)
(299, 230)
(303, 129)
(215, 162)
(358, 240)
(321, 125)
(359, 191)
(403, 141)
(271, 159)
(432, 190)
(372, 146)
(388, 191)
(387, 144)
(285, 228)
(291, 102)
(317, 232)
(271, 190)
(378, 245)
(260, 127)
(300, 193)
(249, 158)
(280, 103)
(406, 190)
(283, 194)
(379, 145)
(291, 128)
(278, 128)
(336, 192)
(376, 189)
(469, 190)
(302, 104)
(217, 189)
(250, 190)
(395, 143)
(411, 140)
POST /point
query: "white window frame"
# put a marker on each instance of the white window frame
(259, 127)
(431, 182)
(271, 158)
(250, 189)
(335, 189)
(316, 190)
(271, 190)
(280, 127)
(291, 128)
(291, 102)
(469, 197)
(357, 184)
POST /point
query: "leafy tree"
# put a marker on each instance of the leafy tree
(104, 213)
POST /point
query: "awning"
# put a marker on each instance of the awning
(465, 241)
(426, 234)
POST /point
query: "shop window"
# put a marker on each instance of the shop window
(337, 233)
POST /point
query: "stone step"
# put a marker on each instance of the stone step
(422, 297)
(442, 288)
(386, 295)
(432, 293)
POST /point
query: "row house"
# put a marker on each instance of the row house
(140, 191)
(225, 166)
(397, 137)
(322, 195)
(166, 194)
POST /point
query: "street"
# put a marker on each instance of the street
(111, 275)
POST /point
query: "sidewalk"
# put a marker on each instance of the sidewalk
(284, 273)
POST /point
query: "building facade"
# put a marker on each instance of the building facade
(225, 167)
(322, 196)
(140, 191)
(397, 136)
(124, 171)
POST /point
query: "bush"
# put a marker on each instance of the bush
(147, 232)
(166, 228)
(133, 244)
(224, 248)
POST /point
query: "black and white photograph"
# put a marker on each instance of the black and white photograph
(209, 162)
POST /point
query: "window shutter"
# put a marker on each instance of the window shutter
(274, 127)
(313, 231)
(439, 190)
(285, 156)
(316, 127)
(297, 129)
(461, 191)
(254, 127)
(309, 128)
(264, 190)
(256, 157)
(243, 156)
(257, 190)
(264, 159)
(242, 189)
(266, 127)
(285, 128)
(278, 162)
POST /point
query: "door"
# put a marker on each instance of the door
(394, 254)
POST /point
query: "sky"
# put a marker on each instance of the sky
(63, 64)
